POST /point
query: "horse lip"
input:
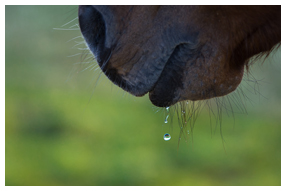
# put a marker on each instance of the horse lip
(137, 89)
(165, 91)
(157, 88)
(141, 81)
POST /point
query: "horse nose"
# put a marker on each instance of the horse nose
(92, 27)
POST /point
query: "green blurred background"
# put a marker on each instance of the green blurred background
(65, 128)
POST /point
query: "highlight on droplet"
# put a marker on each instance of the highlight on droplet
(167, 109)
(167, 137)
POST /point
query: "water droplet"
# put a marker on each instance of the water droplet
(167, 109)
(166, 120)
(167, 137)
(188, 131)
(187, 102)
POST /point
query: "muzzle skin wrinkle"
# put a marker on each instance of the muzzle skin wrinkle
(178, 53)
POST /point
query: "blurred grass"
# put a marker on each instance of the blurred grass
(60, 132)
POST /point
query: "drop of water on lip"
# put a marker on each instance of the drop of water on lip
(167, 137)
(167, 109)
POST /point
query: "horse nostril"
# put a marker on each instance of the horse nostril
(92, 27)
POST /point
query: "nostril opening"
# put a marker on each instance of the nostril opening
(92, 27)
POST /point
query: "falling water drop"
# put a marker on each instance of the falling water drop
(167, 137)
(166, 120)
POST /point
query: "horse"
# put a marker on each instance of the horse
(178, 53)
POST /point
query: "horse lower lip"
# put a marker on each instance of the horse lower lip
(164, 91)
